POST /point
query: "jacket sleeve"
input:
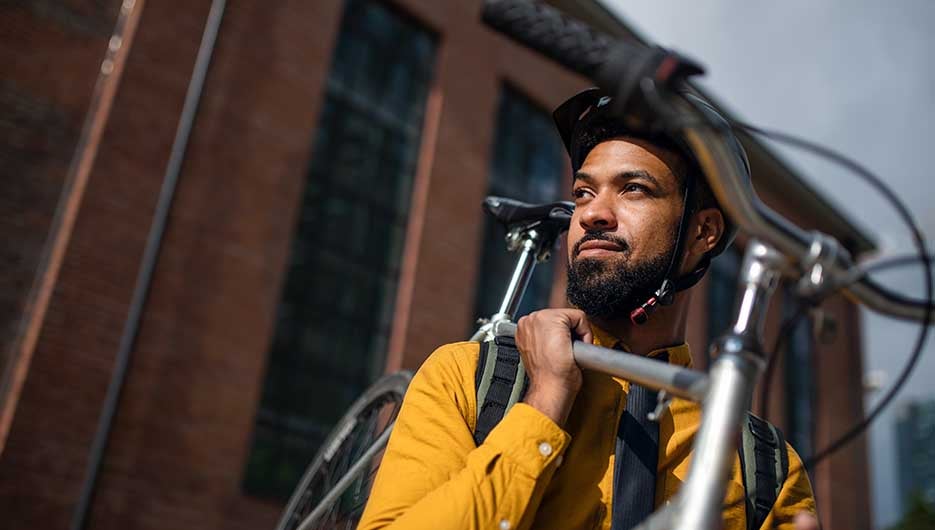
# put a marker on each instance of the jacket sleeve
(795, 496)
(433, 476)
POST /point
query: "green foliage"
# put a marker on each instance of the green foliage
(919, 516)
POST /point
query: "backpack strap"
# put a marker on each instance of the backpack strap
(765, 466)
(500, 381)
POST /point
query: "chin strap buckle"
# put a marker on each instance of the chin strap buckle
(640, 315)
(665, 295)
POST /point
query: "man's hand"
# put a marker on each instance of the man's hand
(544, 341)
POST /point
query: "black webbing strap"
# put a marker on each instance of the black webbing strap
(500, 382)
(765, 465)
(636, 459)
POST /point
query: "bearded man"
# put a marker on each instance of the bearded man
(644, 229)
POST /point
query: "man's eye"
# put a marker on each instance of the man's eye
(579, 193)
(632, 186)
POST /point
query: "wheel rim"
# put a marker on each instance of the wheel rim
(369, 418)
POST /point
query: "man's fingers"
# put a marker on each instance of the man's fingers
(806, 521)
(520, 326)
(573, 320)
(580, 325)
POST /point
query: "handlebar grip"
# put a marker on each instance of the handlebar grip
(546, 30)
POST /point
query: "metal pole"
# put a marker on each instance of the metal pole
(147, 266)
(19, 355)
(522, 272)
(677, 381)
(733, 377)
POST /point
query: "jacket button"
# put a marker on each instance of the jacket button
(545, 448)
(504, 524)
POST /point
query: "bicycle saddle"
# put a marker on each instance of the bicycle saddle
(511, 212)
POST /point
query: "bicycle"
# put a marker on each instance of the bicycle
(644, 83)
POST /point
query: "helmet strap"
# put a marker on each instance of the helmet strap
(672, 284)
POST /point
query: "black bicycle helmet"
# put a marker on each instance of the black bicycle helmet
(574, 119)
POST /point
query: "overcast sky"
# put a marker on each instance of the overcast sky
(857, 76)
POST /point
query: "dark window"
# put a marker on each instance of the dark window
(800, 380)
(915, 443)
(528, 165)
(334, 317)
(722, 294)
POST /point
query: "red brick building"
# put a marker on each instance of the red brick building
(325, 228)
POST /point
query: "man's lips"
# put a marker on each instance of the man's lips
(597, 247)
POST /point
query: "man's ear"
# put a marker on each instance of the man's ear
(707, 230)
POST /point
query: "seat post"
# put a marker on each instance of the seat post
(529, 243)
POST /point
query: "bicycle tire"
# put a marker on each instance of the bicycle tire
(350, 450)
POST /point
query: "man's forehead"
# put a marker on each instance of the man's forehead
(621, 155)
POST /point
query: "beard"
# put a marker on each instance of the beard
(609, 290)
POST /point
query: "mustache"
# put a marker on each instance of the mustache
(600, 236)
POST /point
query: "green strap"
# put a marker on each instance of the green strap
(518, 384)
(487, 376)
(500, 380)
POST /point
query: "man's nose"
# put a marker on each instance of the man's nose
(597, 215)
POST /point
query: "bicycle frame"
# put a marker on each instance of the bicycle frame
(725, 393)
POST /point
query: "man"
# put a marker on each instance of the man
(644, 229)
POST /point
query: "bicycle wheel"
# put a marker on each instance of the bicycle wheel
(335, 487)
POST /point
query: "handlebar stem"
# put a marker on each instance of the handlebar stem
(740, 360)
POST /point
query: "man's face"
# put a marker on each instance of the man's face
(622, 235)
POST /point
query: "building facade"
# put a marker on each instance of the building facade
(915, 440)
(325, 229)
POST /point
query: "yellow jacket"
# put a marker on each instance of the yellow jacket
(529, 473)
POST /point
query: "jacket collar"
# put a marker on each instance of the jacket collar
(679, 354)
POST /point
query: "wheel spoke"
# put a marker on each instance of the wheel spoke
(370, 417)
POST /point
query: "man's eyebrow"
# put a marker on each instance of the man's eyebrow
(638, 174)
(629, 174)
(586, 177)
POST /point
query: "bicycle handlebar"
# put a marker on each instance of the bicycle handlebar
(580, 48)
(807, 248)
